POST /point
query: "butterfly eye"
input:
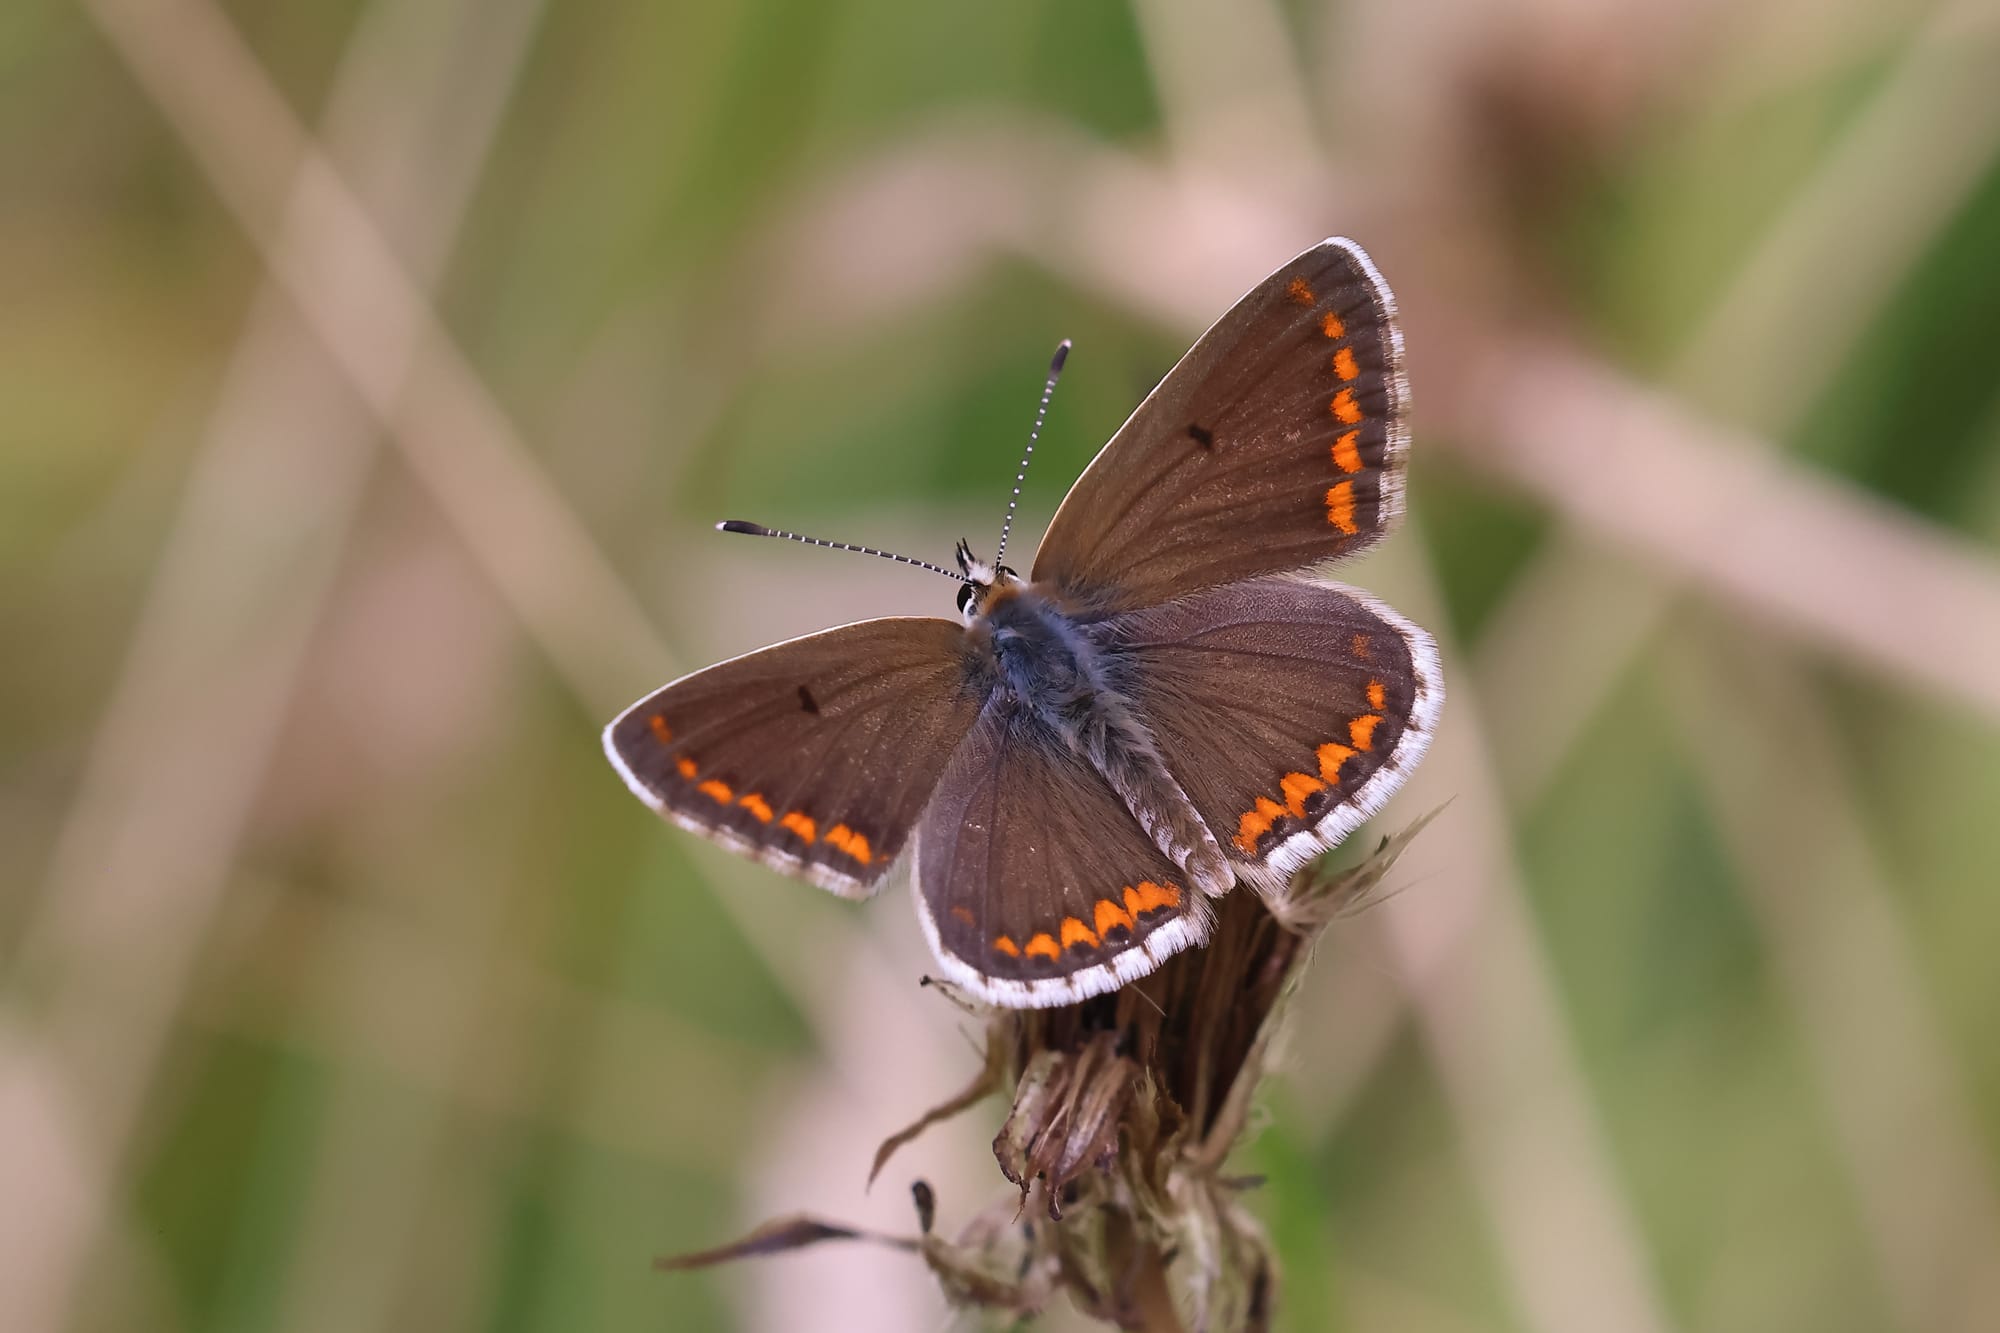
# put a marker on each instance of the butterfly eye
(965, 592)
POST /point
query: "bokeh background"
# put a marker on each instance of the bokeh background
(371, 373)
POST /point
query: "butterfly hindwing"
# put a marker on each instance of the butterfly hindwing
(1289, 709)
(1035, 884)
(816, 755)
(1275, 444)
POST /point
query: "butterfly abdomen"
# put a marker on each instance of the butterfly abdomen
(1057, 673)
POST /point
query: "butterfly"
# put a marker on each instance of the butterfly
(1167, 705)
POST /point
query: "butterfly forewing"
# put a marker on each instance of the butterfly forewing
(1290, 710)
(816, 755)
(1035, 883)
(1275, 444)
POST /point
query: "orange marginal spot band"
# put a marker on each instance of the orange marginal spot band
(1148, 896)
(799, 824)
(847, 840)
(1344, 408)
(1005, 944)
(1330, 325)
(1344, 364)
(1377, 696)
(1075, 933)
(1331, 757)
(757, 806)
(687, 768)
(1340, 508)
(1301, 291)
(1360, 646)
(661, 731)
(1347, 452)
(1298, 786)
(717, 791)
(1362, 730)
(1111, 915)
(1043, 946)
(964, 914)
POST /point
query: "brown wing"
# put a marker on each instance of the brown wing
(1277, 443)
(1035, 884)
(1290, 710)
(816, 755)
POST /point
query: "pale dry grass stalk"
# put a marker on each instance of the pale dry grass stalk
(1808, 555)
(1473, 968)
(355, 295)
(1811, 555)
(180, 754)
(1765, 351)
(1827, 907)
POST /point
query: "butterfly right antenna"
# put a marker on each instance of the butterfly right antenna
(1041, 415)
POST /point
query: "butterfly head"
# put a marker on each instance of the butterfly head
(982, 582)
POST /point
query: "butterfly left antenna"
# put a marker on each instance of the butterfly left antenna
(759, 530)
(1041, 415)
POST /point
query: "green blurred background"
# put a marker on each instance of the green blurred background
(371, 373)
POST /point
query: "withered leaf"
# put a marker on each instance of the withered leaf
(777, 1237)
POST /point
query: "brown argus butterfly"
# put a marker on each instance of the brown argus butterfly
(1165, 706)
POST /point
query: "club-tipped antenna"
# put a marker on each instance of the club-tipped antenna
(759, 530)
(1041, 415)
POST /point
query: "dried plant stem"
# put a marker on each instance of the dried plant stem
(1152, 1297)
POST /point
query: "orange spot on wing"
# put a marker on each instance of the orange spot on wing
(661, 731)
(1330, 325)
(1147, 896)
(1347, 453)
(757, 806)
(1377, 696)
(1256, 822)
(1043, 946)
(847, 840)
(1005, 944)
(800, 824)
(1298, 786)
(715, 790)
(1362, 730)
(1074, 932)
(1331, 757)
(1301, 291)
(1111, 915)
(1360, 646)
(687, 768)
(1344, 408)
(1340, 508)
(964, 914)
(1344, 364)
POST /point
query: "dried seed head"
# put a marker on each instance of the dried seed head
(1125, 1108)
